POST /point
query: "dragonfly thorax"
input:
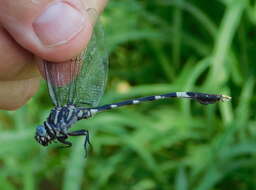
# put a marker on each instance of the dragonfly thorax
(57, 124)
(63, 116)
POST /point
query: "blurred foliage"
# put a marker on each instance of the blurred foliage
(155, 47)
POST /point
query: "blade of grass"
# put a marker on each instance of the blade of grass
(73, 177)
(228, 27)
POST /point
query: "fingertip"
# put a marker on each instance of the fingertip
(56, 33)
(58, 40)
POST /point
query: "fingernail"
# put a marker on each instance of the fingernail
(59, 23)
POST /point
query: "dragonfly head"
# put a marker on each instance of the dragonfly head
(41, 135)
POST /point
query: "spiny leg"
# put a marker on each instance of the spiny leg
(85, 133)
(63, 140)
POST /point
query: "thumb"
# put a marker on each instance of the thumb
(55, 30)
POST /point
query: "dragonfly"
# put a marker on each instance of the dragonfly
(75, 88)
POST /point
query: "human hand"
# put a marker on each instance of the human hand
(54, 30)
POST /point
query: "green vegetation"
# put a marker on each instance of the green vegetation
(156, 46)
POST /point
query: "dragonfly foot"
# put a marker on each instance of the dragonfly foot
(85, 133)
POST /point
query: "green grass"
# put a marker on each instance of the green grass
(155, 47)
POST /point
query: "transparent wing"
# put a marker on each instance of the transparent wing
(82, 80)
(93, 76)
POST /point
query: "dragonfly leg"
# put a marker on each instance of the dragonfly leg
(63, 140)
(85, 133)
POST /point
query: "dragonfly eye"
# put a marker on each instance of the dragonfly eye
(41, 135)
(40, 131)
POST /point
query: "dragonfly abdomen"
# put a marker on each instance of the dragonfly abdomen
(202, 98)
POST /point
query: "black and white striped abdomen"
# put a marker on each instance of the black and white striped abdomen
(203, 98)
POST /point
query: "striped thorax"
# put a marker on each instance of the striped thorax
(59, 121)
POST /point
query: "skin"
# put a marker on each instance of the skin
(22, 51)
